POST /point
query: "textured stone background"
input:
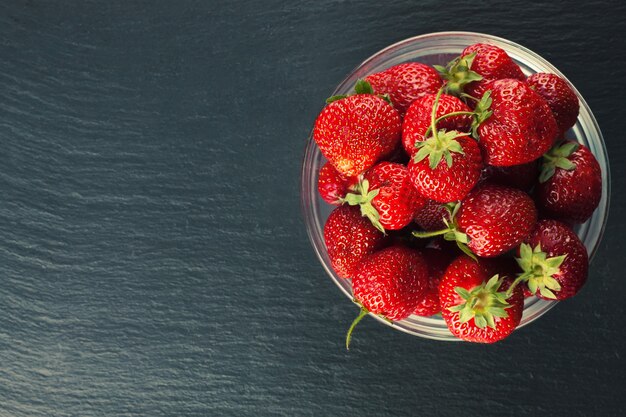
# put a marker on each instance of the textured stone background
(153, 259)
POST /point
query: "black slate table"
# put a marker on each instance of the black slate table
(153, 257)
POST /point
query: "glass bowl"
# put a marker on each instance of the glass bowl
(439, 48)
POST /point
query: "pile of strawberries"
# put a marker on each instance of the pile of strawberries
(457, 189)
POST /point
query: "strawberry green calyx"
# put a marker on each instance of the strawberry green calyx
(557, 157)
(361, 87)
(440, 144)
(439, 147)
(482, 303)
(482, 112)
(363, 197)
(451, 232)
(539, 270)
(457, 74)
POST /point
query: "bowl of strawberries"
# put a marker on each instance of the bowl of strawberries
(455, 187)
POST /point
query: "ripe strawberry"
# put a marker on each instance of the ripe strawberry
(559, 96)
(476, 67)
(521, 128)
(450, 180)
(438, 260)
(357, 131)
(490, 221)
(430, 217)
(389, 283)
(386, 196)
(349, 238)
(477, 305)
(333, 186)
(522, 177)
(446, 182)
(496, 219)
(405, 83)
(570, 185)
(554, 261)
(418, 119)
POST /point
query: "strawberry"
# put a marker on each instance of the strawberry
(477, 65)
(349, 238)
(560, 97)
(357, 131)
(453, 165)
(496, 219)
(478, 305)
(331, 185)
(405, 83)
(554, 261)
(418, 119)
(389, 283)
(386, 196)
(521, 128)
(438, 260)
(446, 182)
(570, 185)
(430, 217)
(490, 221)
(522, 177)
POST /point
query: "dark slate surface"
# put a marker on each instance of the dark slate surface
(153, 257)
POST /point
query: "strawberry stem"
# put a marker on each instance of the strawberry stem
(433, 116)
(431, 234)
(356, 321)
(521, 278)
(440, 144)
(445, 116)
(451, 232)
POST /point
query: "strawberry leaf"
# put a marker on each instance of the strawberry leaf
(335, 98)
(557, 157)
(363, 87)
(458, 74)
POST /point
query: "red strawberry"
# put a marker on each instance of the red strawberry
(496, 219)
(521, 128)
(418, 119)
(405, 83)
(490, 221)
(476, 304)
(554, 260)
(570, 185)
(476, 67)
(438, 260)
(349, 238)
(446, 182)
(355, 132)
(522, 177)
(560, 97)
(386, 196)
(333, 186)
(453, 165)
(389, 283)
(430, 217)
